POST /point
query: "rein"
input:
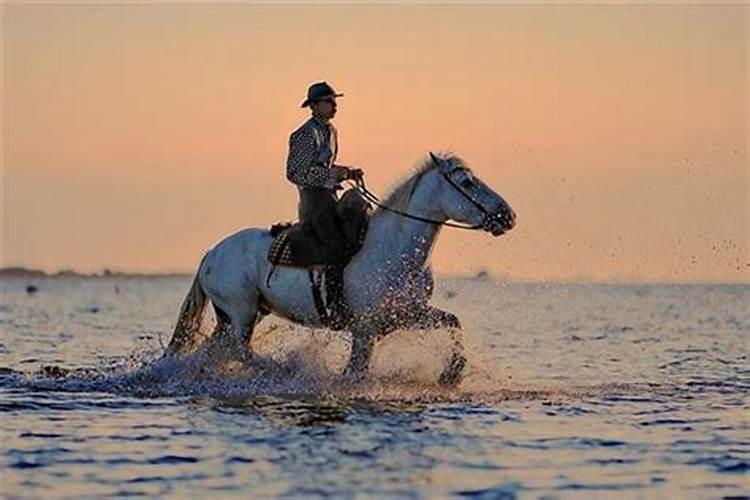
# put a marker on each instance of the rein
(372, 198)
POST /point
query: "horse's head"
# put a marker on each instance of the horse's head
(463, 197)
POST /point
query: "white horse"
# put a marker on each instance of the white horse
(387, 284)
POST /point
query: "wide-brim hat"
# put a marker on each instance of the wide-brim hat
(318, 91)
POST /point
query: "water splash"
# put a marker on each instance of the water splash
(291, 361)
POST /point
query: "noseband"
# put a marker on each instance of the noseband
(486, 220)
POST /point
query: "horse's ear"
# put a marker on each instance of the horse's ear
(435, 159)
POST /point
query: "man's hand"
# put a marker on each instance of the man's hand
(339, 173)
(356, 174)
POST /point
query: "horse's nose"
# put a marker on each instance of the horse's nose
(509, 218)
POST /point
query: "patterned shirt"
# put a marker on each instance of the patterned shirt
(312, 151)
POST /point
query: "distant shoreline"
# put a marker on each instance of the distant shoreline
(26, 273)
(23, 273)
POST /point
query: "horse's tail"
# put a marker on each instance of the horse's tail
(189, 321)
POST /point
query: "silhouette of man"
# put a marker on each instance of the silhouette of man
(311, 166)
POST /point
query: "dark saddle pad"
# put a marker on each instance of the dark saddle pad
(296, 245)
(293, 246)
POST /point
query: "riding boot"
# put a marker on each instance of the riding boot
(340, 314)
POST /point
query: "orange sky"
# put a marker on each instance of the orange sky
(135, 136)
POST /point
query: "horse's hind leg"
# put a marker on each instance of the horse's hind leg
(234, 326)
(222, 320)
(243, 323)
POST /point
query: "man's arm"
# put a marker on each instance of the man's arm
(301, 168)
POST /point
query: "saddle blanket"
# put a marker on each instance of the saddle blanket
(280, 253)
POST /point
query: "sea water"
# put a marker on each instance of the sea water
(571, 390)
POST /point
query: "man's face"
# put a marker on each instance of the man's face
(326, 108)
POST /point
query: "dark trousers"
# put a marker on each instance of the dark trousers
(318, 215)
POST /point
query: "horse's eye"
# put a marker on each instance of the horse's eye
(467, 183)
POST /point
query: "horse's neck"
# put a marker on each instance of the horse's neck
(401, 245)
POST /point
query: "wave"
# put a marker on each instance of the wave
(289, 363)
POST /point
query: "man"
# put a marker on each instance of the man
(311, 166)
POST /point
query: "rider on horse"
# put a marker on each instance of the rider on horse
(311, 166)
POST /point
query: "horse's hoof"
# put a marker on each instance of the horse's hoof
(453, 373)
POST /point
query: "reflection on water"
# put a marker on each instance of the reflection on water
(571, 390)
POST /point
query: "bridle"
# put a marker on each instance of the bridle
(488, 218)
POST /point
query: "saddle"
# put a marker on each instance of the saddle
(295, 245)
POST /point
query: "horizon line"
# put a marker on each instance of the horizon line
(23, 272)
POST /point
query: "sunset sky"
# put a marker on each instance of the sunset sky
(135, 136)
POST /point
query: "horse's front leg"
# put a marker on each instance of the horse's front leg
(431, 317)
(363, 342)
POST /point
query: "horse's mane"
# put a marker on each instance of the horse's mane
(400, 195)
